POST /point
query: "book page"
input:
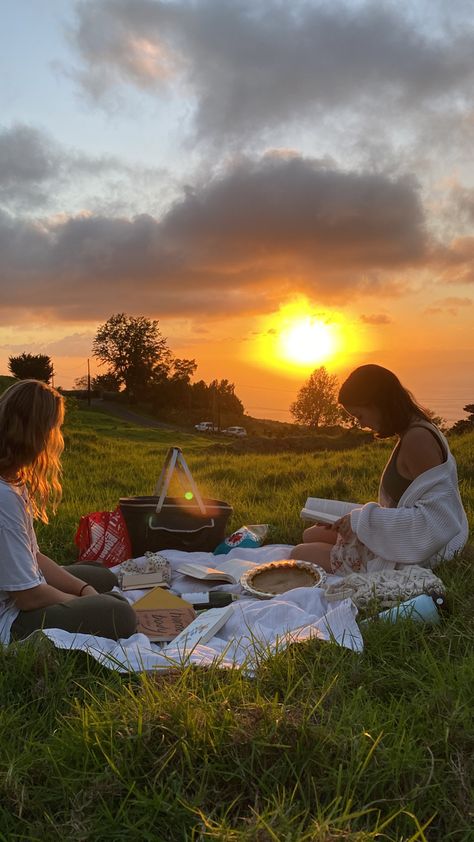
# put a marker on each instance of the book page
(201, 629)
(200, 571)
(327, 511)
(236, 567)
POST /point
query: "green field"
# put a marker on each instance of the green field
(322, 745)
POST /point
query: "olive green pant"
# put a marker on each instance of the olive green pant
(105, 614)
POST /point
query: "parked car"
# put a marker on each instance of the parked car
(240, 432)
(206, 427)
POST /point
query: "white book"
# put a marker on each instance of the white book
(228, 571)
(326, 511)
(141, 581)
(200, 630)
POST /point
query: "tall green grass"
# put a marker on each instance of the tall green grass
(322, 745)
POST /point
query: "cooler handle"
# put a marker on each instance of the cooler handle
(175, 460)
(209, 525)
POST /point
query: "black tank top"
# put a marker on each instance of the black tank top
(392, 482)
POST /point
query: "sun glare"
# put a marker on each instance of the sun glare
(298, 338)
(308, 341)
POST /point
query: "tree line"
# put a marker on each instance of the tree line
(140, 368)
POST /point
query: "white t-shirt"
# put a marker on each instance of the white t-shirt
(19, 569)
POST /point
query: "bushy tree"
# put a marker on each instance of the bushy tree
(215, 402)
(226, 406)
(135, 351)
(172, 388)
(465, 425)
(34, 366)
(105, 383)
(316, 403)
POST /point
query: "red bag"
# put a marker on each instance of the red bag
(103, 536)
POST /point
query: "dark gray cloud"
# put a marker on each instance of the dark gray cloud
(37, 172)
(256, 64)
(262, 231)
(28, 160)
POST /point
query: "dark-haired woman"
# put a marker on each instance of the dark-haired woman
(35, 592)
(419, 518)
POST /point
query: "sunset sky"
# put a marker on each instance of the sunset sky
(281, 184)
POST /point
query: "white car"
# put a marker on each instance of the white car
(205, 427)
(240, 432)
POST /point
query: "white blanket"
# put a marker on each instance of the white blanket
(256, 629)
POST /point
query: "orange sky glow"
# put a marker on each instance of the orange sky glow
(321, 215)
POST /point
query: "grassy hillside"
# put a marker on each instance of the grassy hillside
(5, 382)
(322, 745)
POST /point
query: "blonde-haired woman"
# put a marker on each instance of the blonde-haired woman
(35, 592)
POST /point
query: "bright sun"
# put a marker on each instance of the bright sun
(298, 338)
(307, 341)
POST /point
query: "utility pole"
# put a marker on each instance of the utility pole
(88, 383)
(214, 405)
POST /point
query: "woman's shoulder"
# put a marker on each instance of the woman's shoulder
(421, 448)
(12, 500)
(423, 433)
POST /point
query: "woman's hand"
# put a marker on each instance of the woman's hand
(88, 590)
(344, 528)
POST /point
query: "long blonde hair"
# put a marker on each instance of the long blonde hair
(31, 442)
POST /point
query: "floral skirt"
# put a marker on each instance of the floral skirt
(351, 557)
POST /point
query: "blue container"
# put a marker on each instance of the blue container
(421, 609)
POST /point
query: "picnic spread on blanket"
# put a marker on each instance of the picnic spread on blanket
(203, 598)
(255, 628)
(199, 595)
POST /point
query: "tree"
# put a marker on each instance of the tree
(105, 383)
(172, 388)
(34, 366)
(226, 407)
(135, 351)
(100, 383)
(465, 425)
(316, 403)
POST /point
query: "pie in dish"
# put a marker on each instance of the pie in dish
(276, 577)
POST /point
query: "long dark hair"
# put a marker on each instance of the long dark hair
(373, 385)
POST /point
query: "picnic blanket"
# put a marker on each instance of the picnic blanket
(256, 629)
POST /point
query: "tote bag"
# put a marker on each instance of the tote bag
(103, 537)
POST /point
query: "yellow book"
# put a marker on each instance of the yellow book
(161, 615)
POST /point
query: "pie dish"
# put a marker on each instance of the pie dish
(276, 577)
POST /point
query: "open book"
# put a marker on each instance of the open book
(229, 571)
(327, 511)
(205, 626)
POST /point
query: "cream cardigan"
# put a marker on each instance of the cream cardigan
(428, 525)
